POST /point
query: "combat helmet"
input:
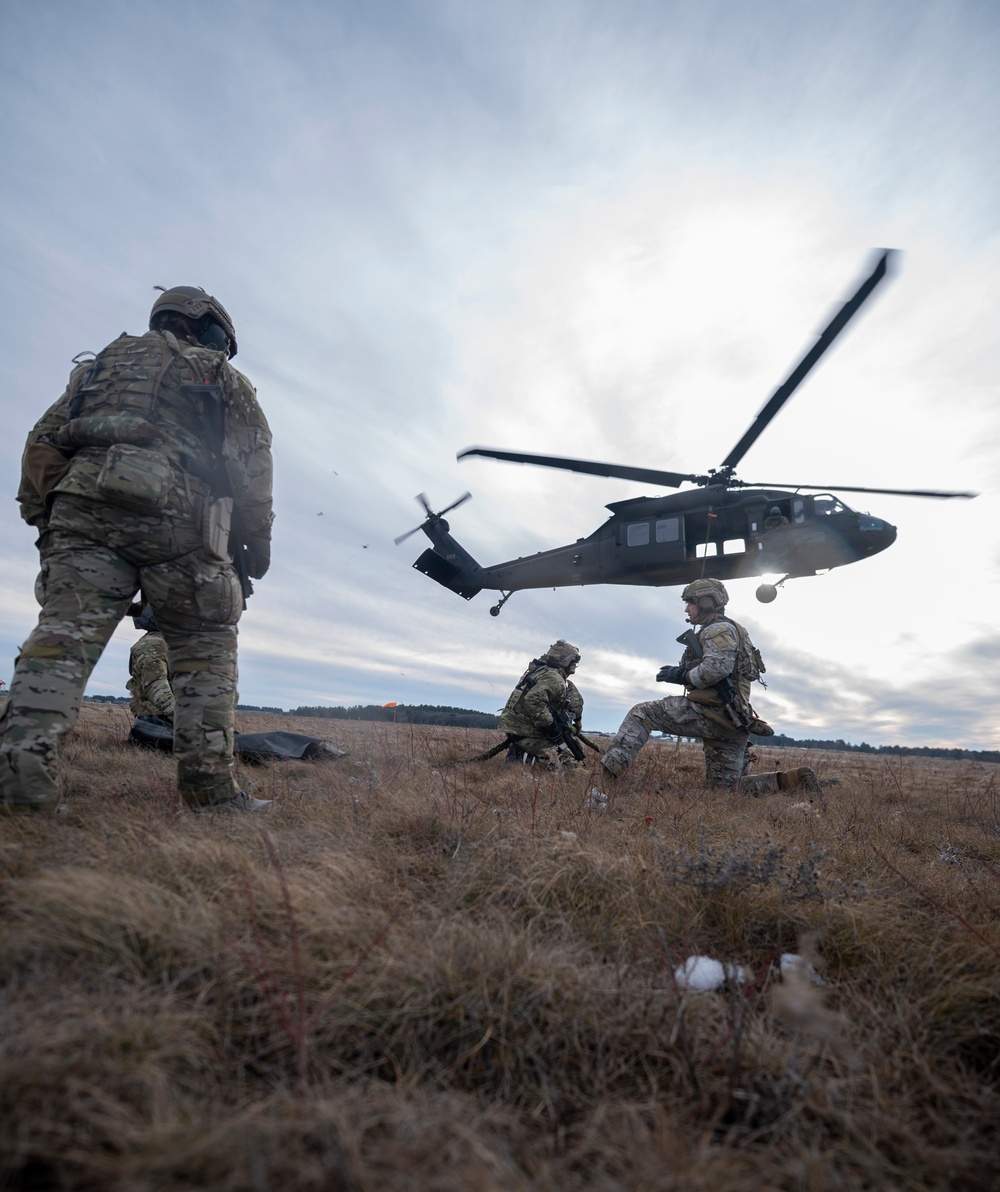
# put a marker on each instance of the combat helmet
(563, 654)
(706, 593)
(202, 309)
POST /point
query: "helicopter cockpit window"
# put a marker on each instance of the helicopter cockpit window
(668, 529)
(798, 510)
(826, 504)
(637, 534)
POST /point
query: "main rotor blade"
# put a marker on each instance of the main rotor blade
(591, 468)
(848, 488)
(798, 374)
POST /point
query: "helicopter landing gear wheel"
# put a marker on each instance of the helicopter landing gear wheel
(495, 610)
(767, 592)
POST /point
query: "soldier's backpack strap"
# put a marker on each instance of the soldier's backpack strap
(528, 680)
(169, 347)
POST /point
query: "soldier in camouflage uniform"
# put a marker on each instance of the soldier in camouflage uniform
(131, 479)
(573, 703)
(725, 651)
(149, 668)
(543, 689)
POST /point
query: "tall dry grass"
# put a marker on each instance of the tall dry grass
(416, 973)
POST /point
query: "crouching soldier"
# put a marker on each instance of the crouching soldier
(718, 666)
(149, 670)
(544, 709)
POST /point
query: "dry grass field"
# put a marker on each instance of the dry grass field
(414, 973)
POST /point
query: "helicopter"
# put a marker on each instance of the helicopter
(735, 528)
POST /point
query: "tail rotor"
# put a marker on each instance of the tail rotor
(432, 519)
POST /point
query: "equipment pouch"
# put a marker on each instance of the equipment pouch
(216, 523)
(44, 465)
(136, 478)
(711, 706)
(704, 695)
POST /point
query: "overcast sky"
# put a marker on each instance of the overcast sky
(580, 229)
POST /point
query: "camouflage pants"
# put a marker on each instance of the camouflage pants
(543, 750)
(94, 559)
(726, 759)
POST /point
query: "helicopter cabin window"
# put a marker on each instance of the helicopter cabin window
(734, 546)
(706, 550)
(668, 529)
(798, 511)
(825, 504)
(637, 534)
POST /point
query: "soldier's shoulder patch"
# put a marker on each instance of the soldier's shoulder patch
(720, 633)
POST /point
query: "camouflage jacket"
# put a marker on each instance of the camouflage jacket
(183, 400)
(150, 683)
(528, 712)
(727, 650)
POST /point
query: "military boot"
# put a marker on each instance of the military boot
(614, 767)
(216, 792)
(800, 779)
(780, 782)
(26, 784)
(241, 801)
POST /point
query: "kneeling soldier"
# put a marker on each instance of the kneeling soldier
(543, 709)
(719, 664)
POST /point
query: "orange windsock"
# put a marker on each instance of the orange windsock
(392, 705)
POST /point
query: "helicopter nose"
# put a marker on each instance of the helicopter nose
(876, 534)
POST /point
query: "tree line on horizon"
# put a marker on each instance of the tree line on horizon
(780, 741)
(450, 717)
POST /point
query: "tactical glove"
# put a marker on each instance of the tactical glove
(258, 557)
(671, 674)
(554, 732)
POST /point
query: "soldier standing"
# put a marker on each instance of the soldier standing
(543, 697)
(720, 655)
(131, 479)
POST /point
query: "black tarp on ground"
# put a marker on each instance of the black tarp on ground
(153, 733)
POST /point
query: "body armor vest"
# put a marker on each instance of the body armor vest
(748, 668)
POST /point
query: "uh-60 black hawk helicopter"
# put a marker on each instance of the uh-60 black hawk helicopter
(725, 526)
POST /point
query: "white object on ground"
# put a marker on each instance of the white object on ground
(701, 974)
(793, 965)
(597, 800)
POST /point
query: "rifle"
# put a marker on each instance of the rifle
(510, 739)
(567, 738)
(725, 687)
